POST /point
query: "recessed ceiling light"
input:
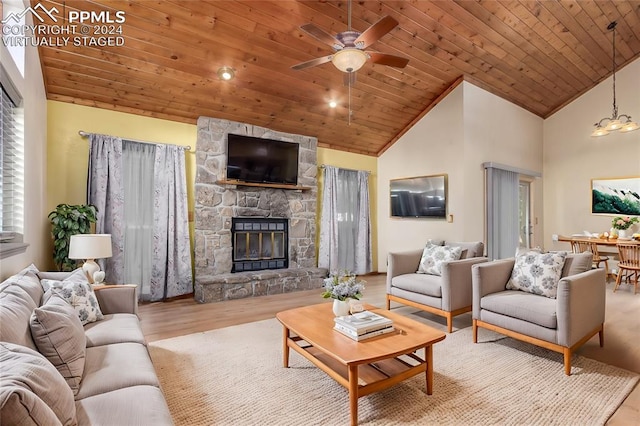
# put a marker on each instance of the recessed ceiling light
(333, 104)
(226, 73)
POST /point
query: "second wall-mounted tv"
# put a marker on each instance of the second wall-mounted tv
(260, 160)
(421, 196)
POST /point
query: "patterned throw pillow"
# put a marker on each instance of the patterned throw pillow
(434, 256)
(77, 291)
(537, 273)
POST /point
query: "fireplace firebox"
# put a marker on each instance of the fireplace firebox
(259, 243)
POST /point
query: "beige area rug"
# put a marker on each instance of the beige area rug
(234, 376)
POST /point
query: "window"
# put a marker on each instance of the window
(11, 166)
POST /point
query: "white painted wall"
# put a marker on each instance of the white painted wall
(572, 158)
(37, 229)
(469, 127)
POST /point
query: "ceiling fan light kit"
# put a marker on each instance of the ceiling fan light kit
(349, 59)
(622, 122)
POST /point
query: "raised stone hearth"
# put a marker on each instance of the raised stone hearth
(216, 204)
(257, 283)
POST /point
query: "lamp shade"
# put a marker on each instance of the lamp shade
(90, 246)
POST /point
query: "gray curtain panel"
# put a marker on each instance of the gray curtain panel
(502, 213)
(171, 275)
(140, 191)
(345, 223)
(105, 191)
(138, 161)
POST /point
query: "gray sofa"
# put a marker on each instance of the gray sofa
(56, 371)
(561, 324)
(446, 295)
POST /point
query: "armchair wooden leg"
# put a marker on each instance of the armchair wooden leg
(567, 361)
(388, 304)
(601, 336)
(475, 332)
(449, 323)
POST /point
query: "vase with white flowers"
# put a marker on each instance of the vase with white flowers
(342, 287)
(622, 223)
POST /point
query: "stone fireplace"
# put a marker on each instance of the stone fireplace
(227, 265)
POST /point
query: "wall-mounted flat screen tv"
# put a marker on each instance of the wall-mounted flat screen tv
(259, 160)
(422, 196)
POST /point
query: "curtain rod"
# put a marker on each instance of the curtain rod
(86, 134)
(351, 170)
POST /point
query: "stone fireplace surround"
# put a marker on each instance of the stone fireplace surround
(217, 203)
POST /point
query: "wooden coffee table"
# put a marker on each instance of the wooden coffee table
(362, 367)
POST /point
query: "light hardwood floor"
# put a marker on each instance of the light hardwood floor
(185, 316)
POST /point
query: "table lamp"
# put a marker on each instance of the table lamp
(90, 247)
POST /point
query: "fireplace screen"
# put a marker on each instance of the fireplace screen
(259, 243)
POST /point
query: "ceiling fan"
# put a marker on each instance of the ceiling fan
(349, 54)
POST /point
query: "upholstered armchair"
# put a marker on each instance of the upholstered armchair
(447, 294)
(561, 324)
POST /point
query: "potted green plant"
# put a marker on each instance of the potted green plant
(67, 220)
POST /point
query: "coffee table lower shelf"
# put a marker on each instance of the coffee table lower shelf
(364, 379)
(372, 377)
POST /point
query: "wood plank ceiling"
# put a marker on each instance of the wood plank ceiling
(539, 55)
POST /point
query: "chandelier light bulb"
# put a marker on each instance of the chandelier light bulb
(613, 125)
(629, 126)
(599, 131)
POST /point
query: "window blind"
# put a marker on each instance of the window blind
(11, 165)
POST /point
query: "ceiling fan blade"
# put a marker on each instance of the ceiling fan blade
(376, 31)
(349, 78)
(386, 59)
(321, 35)
(312, 63)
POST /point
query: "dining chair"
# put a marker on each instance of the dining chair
(629, 264)
(581, 246)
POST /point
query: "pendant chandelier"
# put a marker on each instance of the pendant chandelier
(616, 122)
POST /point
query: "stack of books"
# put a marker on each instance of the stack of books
(363, 325)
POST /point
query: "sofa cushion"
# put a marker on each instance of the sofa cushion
(434, 256)
(28, 280)
(104, 367)
(431, 285)
(135, 405)
(473, 249)
(525, 306)
(577, 264)
(537, 273)
(59, 336)
(15, 310)
(77, 291)
(114, 328)
(31, 389)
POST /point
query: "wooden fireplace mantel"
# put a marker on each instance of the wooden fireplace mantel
(263, 185)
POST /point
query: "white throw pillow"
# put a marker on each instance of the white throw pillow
(434, 256)
(77, 291)
(537, 273)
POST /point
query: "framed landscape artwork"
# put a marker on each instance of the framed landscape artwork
(616, 196)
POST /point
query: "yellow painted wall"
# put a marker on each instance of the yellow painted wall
(67, 152)
(349, 160)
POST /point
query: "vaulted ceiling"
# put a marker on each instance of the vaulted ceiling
(539, 55)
